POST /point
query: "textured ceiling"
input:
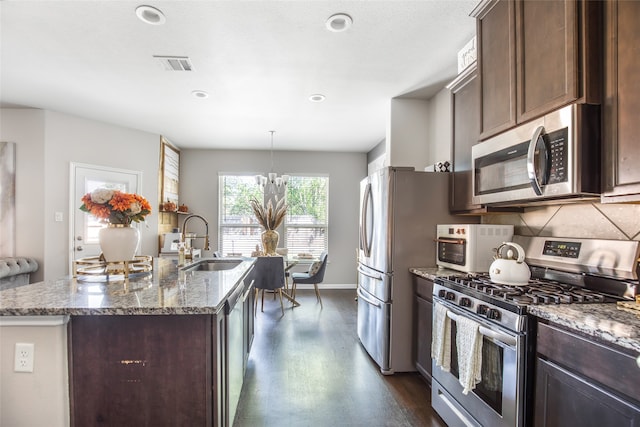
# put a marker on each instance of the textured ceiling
(258, 60)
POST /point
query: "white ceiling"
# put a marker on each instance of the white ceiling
(258, 60)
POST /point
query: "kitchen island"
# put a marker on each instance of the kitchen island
(162, 348)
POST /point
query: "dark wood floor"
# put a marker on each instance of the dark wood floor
(307, 368)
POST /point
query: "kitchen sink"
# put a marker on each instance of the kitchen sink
(215, 264)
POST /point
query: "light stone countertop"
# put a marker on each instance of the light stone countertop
(432, 273)
(165, 290)
(604, 322)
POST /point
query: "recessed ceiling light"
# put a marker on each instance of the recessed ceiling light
(317, 97)
(200, 94)
(339, 22)
(150, 15)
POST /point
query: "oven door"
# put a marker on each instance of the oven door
(452, 253)
(497, 399)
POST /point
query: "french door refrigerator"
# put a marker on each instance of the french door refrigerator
(399, 211)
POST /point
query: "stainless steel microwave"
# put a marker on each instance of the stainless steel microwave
(556, 156)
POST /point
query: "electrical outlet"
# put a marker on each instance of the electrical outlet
(24, 357)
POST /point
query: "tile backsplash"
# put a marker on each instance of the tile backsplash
(580, 220)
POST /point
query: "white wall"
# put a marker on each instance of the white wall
(46, 143)
(40, 398)
(440, 127)
(199, 190)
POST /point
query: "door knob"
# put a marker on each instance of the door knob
(79, 249)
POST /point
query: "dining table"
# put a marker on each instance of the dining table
(267, 275)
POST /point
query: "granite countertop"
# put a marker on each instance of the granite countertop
(605, 322)
(432, 273)
(166, 290)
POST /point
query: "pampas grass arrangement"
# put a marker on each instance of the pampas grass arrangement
(269, 217)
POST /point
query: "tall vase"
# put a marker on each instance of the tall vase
(119, 242)
(270, 242)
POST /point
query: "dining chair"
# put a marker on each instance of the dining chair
(314, 276)
(267, 274)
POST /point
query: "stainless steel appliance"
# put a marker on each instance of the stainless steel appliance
(470, 247)
(399, 211)
(564, 271)
(555, 156)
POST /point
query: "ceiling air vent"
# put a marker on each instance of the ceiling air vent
(175, 63)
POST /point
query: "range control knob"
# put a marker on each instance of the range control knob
(442, 293)
(494, 314)
(465, 302)
(482, 309)
(450, 296)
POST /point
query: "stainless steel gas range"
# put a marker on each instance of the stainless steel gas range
(564, 271)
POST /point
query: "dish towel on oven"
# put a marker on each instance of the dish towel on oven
(469, 346)
(441, 338)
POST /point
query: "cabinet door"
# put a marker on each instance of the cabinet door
(424, 325)
(565, 399)
(465, 92)
(548, 49)
(424, 332)
(140, 370)
(496, 67)
(622, 102)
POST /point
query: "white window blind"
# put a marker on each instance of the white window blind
(238, 229)
(305, 226)
(307, 221)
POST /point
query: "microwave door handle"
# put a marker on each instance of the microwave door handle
(531, 165)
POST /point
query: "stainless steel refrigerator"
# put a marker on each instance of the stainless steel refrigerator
(399, 211)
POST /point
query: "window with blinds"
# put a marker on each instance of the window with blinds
(307, 221)
(305, 226)
(238, 230)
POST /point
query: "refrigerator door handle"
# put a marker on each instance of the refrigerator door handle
(366, 247)
(365, 273)
(368, 300)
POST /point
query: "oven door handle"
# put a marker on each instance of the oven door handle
(454, 241)
(498, 336)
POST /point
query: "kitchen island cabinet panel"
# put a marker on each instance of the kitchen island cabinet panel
(622, 102)
(141, 370)
(583, 382)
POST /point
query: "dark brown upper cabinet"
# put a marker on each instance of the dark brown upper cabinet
(621, 124)
(534, 57)
(465, 95)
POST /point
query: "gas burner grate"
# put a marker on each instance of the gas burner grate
(537, 292)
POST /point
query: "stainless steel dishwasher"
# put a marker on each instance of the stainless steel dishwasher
(234, 311)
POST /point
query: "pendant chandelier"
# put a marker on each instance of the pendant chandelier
(272, 183)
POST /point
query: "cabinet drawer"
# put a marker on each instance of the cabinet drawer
(608, 366)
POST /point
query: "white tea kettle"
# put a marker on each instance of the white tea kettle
(510, 270)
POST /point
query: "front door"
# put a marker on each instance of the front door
(84, 179)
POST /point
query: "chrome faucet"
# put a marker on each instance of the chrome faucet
(206, 224)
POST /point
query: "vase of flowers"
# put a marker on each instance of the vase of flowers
(118, 241)
(270, 218)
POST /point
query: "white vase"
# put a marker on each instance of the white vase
(119, 242)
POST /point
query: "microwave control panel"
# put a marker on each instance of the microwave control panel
(557, 143)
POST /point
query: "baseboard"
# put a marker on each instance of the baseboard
(328, 286)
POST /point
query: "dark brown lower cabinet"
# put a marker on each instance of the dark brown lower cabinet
(145, 370)
(583, 383)
(424, 314)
